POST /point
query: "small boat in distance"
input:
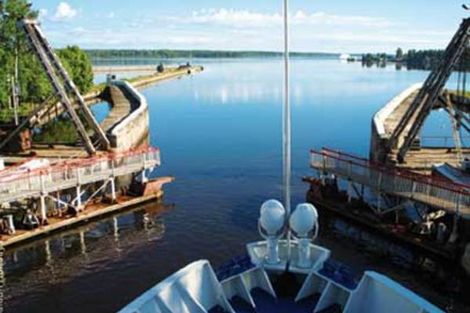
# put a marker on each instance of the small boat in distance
(344, 57)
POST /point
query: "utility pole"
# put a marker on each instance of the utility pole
(16, 86)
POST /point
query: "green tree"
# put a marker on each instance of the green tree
(33, 82)
(399, 54)
(78, 65)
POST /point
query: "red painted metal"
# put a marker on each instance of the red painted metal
(72, 164)
(426, 179)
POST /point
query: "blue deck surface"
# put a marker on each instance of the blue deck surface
(286, 288)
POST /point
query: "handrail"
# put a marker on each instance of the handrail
(75, 164)
(432, 181)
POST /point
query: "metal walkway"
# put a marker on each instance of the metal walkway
(437, 193)
(75, 173)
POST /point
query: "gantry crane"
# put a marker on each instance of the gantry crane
(431, 92)
(65, 89)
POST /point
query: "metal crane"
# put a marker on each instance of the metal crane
(65, 89)
(413, 120)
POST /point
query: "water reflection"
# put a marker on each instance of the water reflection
(226, 158)
(90, 248)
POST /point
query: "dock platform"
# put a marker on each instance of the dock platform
(90, 213)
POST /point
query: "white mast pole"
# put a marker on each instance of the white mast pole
(286, 136)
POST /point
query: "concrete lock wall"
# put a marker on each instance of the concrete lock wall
(379, 136)
(133, 129)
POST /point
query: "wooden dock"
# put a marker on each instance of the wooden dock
(338, 206)
(90, 213)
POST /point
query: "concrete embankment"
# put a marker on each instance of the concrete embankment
(127, 124)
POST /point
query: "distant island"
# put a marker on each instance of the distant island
(186, 54)
(414, 59)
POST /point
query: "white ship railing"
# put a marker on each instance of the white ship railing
(435, 192)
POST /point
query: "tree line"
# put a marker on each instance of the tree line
(416, 59)
(173, 54)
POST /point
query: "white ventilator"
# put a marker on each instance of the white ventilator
(302, 222)
(271, 227)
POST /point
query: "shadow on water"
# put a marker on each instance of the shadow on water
(443, 283)
(33, 269)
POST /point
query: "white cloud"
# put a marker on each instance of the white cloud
(64, 12)
(245, 18)
(235, 18)
(248, 30)
(301, 17)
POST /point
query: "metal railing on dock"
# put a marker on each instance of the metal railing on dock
(75, 172)
(438, 193)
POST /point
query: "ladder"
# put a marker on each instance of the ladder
(422, 105)
(63, 84)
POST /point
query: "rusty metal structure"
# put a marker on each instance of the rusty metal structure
(431, 96)
(93, 137)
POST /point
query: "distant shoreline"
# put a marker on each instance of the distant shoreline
(200, 54)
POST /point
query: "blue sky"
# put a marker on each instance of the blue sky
(316, 25)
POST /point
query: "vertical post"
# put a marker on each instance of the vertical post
(79, 197)
(43, 210)
(58, 204)
(78, 190)
(286, 138)
(16, 85)
(113, 189)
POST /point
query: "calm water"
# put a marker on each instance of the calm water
(219, 133)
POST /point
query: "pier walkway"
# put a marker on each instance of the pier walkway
(74, 173)
(448, 196)
(107, 69)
